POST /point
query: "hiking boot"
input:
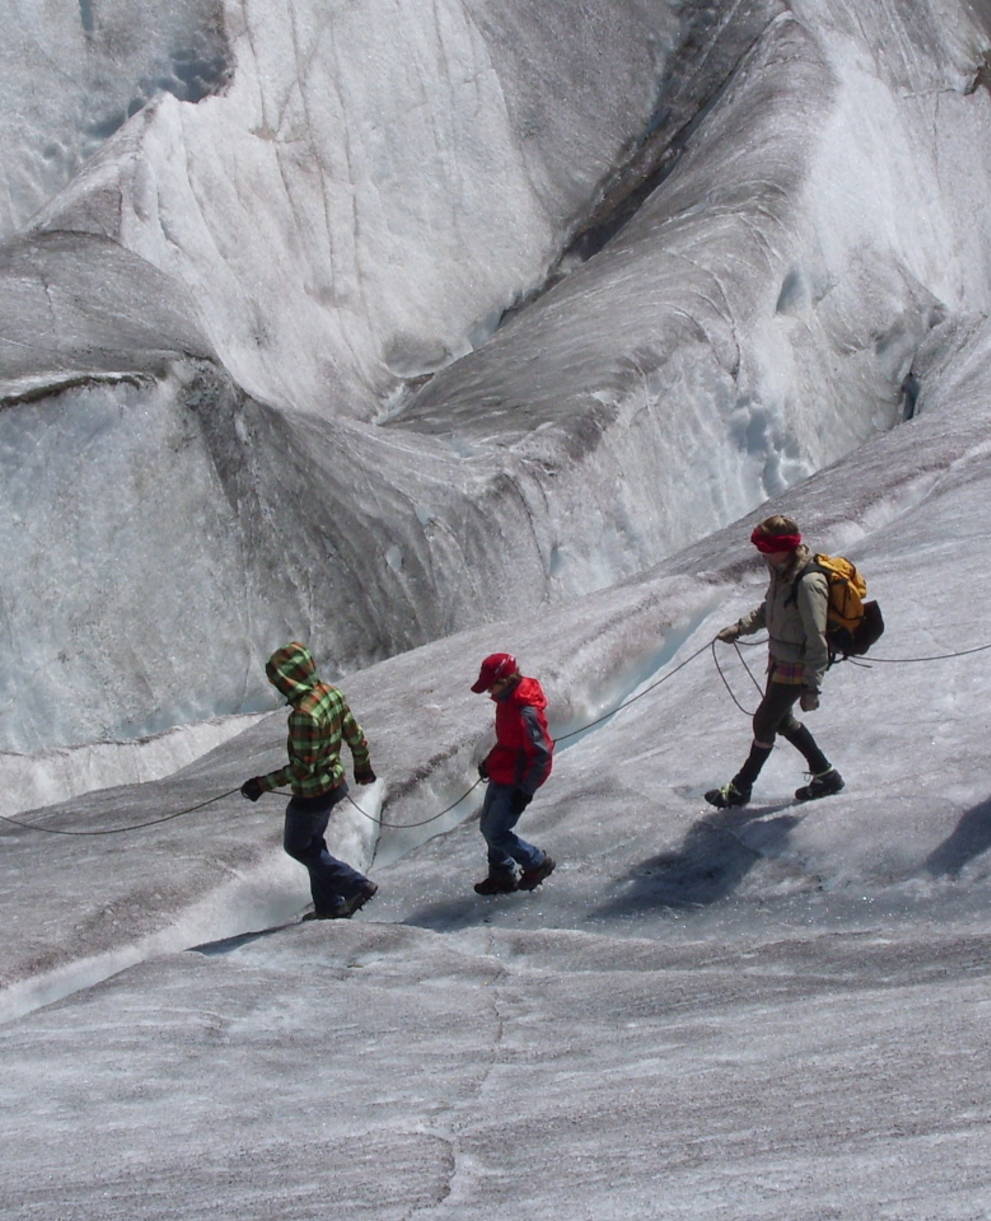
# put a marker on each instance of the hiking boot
(499, 882)
(823, 785)
(345, 908)
(530, 879)
(331, 913)
(366, 891)
(729, 795)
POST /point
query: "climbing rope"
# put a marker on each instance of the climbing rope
(152, 822)
(855, 661)
(719, 671)
(905, 661)
(402, 826)
(364, 813)
(563, 738)
(633, 698)
(710, 645)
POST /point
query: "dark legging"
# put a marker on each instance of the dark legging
(774, 716)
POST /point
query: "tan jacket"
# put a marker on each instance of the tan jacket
(796, 629)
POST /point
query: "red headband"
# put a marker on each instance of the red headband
(769, 544)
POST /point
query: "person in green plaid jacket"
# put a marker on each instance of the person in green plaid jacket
(318, 723)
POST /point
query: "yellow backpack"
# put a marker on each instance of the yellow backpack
(852, 625)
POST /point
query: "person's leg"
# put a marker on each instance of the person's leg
(798, 735)
(332, 882)
(499, 817)
(774, 708)
(824, 778)
(774, 711)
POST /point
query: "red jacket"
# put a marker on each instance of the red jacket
(522, 755)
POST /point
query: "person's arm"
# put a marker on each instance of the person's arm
(751, 622)
(536, 750)
(754, 620)
(358, 746)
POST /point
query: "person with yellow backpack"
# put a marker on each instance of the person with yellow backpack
(794, 612)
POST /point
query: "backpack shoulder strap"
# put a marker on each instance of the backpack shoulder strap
(812, 566)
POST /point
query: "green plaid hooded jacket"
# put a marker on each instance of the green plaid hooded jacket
(320, 718)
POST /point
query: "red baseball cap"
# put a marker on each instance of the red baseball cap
(494, 667)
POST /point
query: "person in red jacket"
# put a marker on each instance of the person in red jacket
(515, 768)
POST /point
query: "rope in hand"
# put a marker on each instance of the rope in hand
(719, 671)
(856, 661)
(711, 645)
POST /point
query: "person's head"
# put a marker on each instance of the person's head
(499, 671)
(291, 670)
(777, 538)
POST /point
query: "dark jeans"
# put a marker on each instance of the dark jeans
(498, 818)
(331, 880)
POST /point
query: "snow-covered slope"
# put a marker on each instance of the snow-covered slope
(771, 1010)
(256, 383)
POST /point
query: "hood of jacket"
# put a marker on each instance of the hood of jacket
(292, 671)
(526, 692)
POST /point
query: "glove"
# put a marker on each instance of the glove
(252, 789)
(519, 801)
(483, 770)
(729, 634)
(809, 701)
(364, 775)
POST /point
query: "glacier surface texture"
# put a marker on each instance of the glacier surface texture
(420, 331)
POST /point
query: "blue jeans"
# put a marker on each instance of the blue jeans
(331, 880)
(496, 824)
